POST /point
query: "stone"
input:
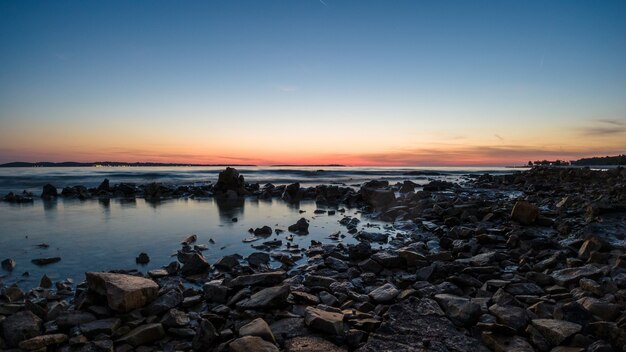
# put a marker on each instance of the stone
(104, 185)
(230, 180)
(195, 264)
(123, 292)
(42, 342)
(377, 194)
(20, 326)
(461, 311)
(329, 322)
(604, 310)
(102, 326)
(175, 318)
(263, 231)
(379, 237)
(258, 327)
(45, 282)
(568, 276)
(261, 279)
(227, 263)
(514, 317)
(301, 227)
(272, 297)
(142, 258)
(500, 343)
(258, 259)
(556, 331)
(143, 335)
(214, 292)
(384, 294)
(205, 336)
(45, 261)
(524, 212)
(8, 264)
(409, 327)
(49, 192)
(165, 302)
(291, 194)
(311, 344)
(251, 344)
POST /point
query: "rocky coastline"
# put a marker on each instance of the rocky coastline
(528, 261)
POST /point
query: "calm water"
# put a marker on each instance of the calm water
(95, 235)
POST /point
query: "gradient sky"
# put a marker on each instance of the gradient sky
(354, 82)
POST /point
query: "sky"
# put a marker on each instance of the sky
(415, 83)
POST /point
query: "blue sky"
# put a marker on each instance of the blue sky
(355, 81)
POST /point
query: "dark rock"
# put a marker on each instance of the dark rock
(260, 279)
(251, 343)
(461, 311)
(329, 322)
(291, 193)
(556, 331)
(45, 261)
(258, 259)
(258, 327)
(263, 231)
(377, 194)
(524, 212)
(230, 180)
(103, 326)
(227, 263)
(45, 282)
(384, 294)
(8, 264)
(42, 342)
(195, 264)
(568, 276)
(205, 336)
(49, 192)
(164, 302)
(272, 297)
(301, 227)
(142, 258)
(215, 292)
(104, 186)
(143, 335)
(20, 326)
(310, 344)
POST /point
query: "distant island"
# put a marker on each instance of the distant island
(606, 160)
(107, 164)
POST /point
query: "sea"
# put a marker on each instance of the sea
(101, 235)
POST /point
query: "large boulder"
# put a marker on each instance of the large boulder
(377, 194)
(524, 212)
(291, 193)
(49, 192)
(230, 180)
(20, 326)
(123, 292)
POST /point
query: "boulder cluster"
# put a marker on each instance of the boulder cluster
(524, 262)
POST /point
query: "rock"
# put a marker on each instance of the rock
(8, 264)
(511, 316)
(556, 331)
(311, 344)
(301, 227)
(205, 336)
(175, 319)
(336, 264)
(45, 282)
(524, 288)
(604, 310)
(123, 292)
(42, 342)
(373, 236)
(377, 194)
(499, 343)
(45, 261)
(215, 292)
(189, 240)
(568, 276)
(258, 327)
(291, 193)
(461, 311)
(104, 186)
(411, 328)
(258, 259)
(20, 326)
(263, 231)
(195, 264)
(384, 294)
(102, 326)
(227, 263)
(164, 302)
(524, 212)
(329, 322)
(230, 180)
(318, 281)
(438, 185)
(272, 297)
(251, 344)
(260, 279)
(70, 318)
(388, 259)
(49, 192)
(142, 258)
(143, 335)
(359, 251)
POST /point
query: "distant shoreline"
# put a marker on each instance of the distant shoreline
(145, 164)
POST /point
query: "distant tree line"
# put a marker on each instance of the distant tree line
(607, 160)
(548, 163)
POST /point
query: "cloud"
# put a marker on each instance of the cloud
(605, 127)
(498, 136)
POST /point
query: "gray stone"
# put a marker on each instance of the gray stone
(143, 335)
(565, 277)
(20, 326)
(272, 297)
(329, 322)
(384, 294)
(556, 331)
(123, 292)
(251, 343)
(258, 327)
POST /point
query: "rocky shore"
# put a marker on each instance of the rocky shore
(531, 261)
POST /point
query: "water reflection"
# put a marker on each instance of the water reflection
(229, 209)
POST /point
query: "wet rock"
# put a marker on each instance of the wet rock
(263, 231)
(329, 322)
(142, 258)
(359, 251)
(71, 318)
(602, 309)
(230, 180)
(291, 193)
(318, 281)
(461, 311)
(104, 186)
(524, 212)
(568, 276)
(227, 263)
(45, 282)
(8, 264)
(205, 336)
(123, 292)
(45, 261)
(384, 294)
(377, 194)
(143, 335)
(258, 259)
(189, 239)
(258, 327)
(373, 236)
(195, 264)
(311, 344)
(20, 326)
(272, 297)
(42, 342)
(556, 331)
(260, 279)
(164, 302)
(438, 185)
(251, 343)
(388, 259)
(412, 327)
(301, 227)
(49, 192)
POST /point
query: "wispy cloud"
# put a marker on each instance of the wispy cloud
(498, 136)
(605, 127)
(323, 3)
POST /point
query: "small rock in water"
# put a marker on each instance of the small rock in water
(301, 227)
(190, 239)
(8, 264)
(234, 219)
(143, 258)
(45, 261)
(45, 282)
(43, 245)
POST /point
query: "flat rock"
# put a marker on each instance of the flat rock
(164, 302)
(311, 344)
(102, 326)
(20, 326)
(43, 341)
(500, 343)
(143, 335)
(271, 297)
(565, 277)
(556, 331)
(461, 310)
(261, 279)
(329, 322)
(251, 344)
(123, 292)
(407, 328)
(385, 293)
